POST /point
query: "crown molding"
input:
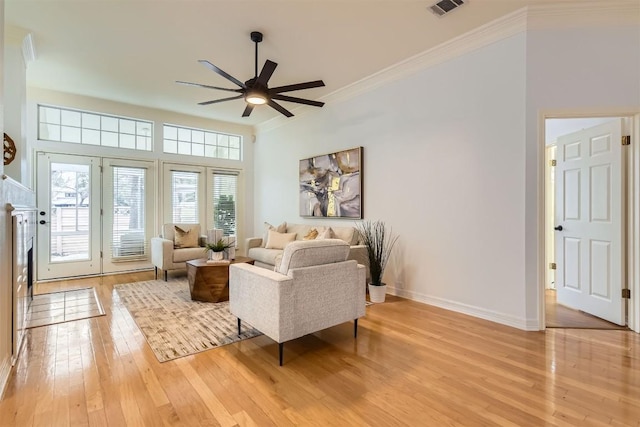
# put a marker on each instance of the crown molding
(570, 15)
(484, 35)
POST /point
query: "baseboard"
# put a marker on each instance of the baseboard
(482, 313)
(5, 372)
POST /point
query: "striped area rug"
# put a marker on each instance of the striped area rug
(173, 324)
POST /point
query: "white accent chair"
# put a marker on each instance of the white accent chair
(314, 287)
(164, 254)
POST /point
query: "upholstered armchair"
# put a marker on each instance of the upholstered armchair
(174, 248)
(313, 288)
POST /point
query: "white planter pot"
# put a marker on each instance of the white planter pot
(216, 256)
(377, 293)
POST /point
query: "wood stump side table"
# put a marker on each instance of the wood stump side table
(210, 282)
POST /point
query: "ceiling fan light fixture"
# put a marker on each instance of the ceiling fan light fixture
(255, 98)
(256, 91)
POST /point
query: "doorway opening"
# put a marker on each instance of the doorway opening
(585, 224)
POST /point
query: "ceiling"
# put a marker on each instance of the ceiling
(132, 51)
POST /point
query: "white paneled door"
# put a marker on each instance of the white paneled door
(589, 221)
(68, 194)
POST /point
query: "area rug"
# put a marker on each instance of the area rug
(174, 325)
(65, 306)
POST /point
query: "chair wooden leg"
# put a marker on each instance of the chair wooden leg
(280, 351)
(239, 326)
(156, 268)
(165, 275)
(355, 328)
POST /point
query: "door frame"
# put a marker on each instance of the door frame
(632, 207)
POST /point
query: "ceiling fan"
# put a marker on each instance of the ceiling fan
(255, 91)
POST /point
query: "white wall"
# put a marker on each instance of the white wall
(581, 70)
(452, 161)
(15, 100)
(443, 165)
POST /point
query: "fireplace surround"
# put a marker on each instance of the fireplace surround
(23, 228)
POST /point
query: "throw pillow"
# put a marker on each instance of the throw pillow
(282, 228)
(185, 239)
(327, 233)
(311, 235)
(277, 240)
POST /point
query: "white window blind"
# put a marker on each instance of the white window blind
(225, 191)
(184, 194)
(128, 234)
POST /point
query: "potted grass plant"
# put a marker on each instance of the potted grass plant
(379, 241)
(216, 249)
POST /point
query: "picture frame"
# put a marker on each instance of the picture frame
(330, 185)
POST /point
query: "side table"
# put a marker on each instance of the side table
(210, 282)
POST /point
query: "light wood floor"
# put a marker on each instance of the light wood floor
(411, 364)
(560, 316)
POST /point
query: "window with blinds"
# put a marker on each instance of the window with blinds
(128, 234)
(225, 191)
(184, 193)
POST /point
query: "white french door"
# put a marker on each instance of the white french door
(95, 215)
(589, 221)
(68, 197)
(128, 203)
(202, 195)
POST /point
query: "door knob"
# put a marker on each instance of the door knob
(43, 222)
(559, 228)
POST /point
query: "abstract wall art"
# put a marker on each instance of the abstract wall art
(331, 185)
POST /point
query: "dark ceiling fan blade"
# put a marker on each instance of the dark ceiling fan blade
(297, 86)
(280, 108)
(207, 86)
(298, 100)
(217, 70)
(266, 73)
(215, 101)
(247, 111)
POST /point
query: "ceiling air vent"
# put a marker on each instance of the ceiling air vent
(445, 6)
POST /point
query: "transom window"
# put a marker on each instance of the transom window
(83, 127)
(201, 143)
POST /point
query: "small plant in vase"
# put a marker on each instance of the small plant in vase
(216, 249)
(379, 241)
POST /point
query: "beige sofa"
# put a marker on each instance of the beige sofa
(314, 288)
(268, 258)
